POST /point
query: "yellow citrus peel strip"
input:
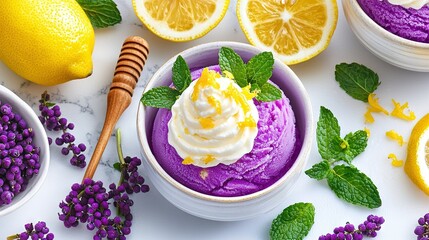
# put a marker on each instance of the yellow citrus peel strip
(399, 109)
(392, 134)
(395, 161)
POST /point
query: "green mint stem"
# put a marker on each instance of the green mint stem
(120, 155)
(121, 161)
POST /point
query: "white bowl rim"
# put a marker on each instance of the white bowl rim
(301, 157)
(384, 32)
(44, 149)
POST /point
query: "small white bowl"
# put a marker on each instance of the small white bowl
(398, 51)
(227, 208)
(40, 139)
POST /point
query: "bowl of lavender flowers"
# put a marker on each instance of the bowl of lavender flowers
(24, 152)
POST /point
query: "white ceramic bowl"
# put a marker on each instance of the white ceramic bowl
(227, 208)
(40, 139)
(387, 46)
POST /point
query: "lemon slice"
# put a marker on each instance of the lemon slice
(295, 30)
(180, 20)
(417, 164)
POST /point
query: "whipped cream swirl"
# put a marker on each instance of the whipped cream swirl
(416, 4)
(213, 121)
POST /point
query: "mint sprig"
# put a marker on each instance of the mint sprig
(355, 187)
(260, 68)
(160, 97)
(293, 223)
(230, 61)
(256, 72)
(347, 182)
(165, 97)
(101, 13)
(357, 80)
(181, 74)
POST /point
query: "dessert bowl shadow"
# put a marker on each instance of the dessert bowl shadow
(40, 140)
(393, 49)
(227, 208)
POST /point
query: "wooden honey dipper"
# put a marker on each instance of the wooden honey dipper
(130, 64)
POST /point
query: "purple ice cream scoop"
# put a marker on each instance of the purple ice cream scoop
(273, 153)
(409, 23)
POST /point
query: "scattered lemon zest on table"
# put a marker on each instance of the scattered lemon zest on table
(395, 161)
(368, 116)
(399, 109)
(392, 134)
(368, 131)
(374, 105)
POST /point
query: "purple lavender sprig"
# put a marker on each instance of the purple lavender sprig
(37, 232)
(90, 202)
(368, 228)
(50, 116)
(422, 230)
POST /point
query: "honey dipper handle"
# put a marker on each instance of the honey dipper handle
(130, 64)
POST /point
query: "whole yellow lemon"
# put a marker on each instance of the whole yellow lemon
(46, 41)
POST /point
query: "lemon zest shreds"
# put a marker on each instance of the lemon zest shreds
(215, 104)
(206, 122)
(395, 161)
(399, 109)
(368, 131)
(209, 158)
(187, 161)
(374, 105)
(228, 74)
(247, 93)
(368, 116)
(207, 78)
(392, 134)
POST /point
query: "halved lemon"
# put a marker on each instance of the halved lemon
(180, 20)
(417, 163)
(294, 30)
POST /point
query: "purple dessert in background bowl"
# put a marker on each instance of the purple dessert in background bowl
(239, 190)
(395, 34)
(409, 23)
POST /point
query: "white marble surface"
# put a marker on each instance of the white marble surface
(84, 103)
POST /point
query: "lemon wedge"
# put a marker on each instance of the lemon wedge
(417, 163)
(295, 30)
(180, 20)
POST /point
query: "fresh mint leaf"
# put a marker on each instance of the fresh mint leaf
(117, 166)
(357, 80)
(230, 61)
(356, 144)
(293, 223)
(160, 97)
(353, 186)
(260, 68)
(101, 13)
(181, 74)
(268, 93)
(328, 135)
(319, 170)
